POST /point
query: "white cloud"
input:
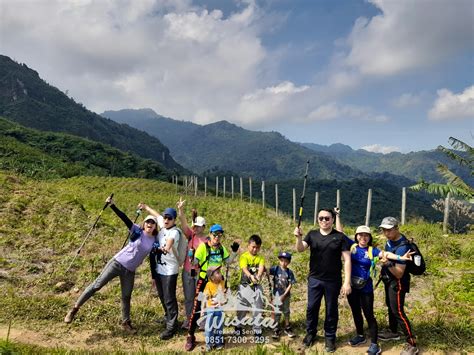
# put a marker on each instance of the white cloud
(332, 111)
(449, 106)
(409, 35)
(406, 100)
(377, 148)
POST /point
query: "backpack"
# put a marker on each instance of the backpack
(411, 266)
(181, 251)
(208, 254)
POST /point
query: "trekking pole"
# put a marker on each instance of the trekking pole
(89, 233)
(302, 195)
(138, 212)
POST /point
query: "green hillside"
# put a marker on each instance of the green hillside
(42, 223)
(30, 101)
(52, 155)
(206, 149)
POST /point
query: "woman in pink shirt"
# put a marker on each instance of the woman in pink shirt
(196, 235)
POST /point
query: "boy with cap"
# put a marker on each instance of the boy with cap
(211, 253)
(283, 280)
(214, 293)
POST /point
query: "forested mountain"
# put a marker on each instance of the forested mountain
(39, 154)
(223, 146)
(414, 165)
(30, 101)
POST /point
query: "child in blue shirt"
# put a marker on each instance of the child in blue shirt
(283, 280)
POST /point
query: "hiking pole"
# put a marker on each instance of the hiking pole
(302, 195)
(89, 233)
(138, 212)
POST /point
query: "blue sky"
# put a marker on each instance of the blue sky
(382, 75)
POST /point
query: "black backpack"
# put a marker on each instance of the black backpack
(410, 265)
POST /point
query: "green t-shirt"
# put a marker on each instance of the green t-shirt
(252, 263)
(216, 257)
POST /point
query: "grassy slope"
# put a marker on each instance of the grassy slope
(43, 223)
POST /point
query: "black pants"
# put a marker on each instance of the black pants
(166, 287)
(196, 313)
(363, 302)
(316, 290)
(395, 301)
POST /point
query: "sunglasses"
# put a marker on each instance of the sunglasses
(324, 218)
(218, 235)
(150, 221)
(168, 217)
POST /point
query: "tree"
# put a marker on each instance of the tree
(454, 184)
(460, 213)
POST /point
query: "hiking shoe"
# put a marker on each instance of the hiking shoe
(70, 315)
(388, 335)
(410, 350)
(374, 349)
(276, 333)
(167, 334)
(357, 340)
(190, 343)
(127, 326)
(309, 340)
(289, 332)
(330, 345)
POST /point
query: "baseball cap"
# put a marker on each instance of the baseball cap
(200, 221)
(170, 212)
(150, 217)
(216, 228)
(389, 223)
(363, 229)
(284, 254)
(211, 270)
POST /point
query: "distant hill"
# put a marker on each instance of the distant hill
(30, 101)
(38, 154)
(413, 165)
(207, 149)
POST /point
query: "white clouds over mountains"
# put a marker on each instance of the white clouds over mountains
(450, 106)
(190, 63)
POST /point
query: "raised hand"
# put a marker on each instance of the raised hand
(180, 203)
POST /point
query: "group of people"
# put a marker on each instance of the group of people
(205, 287)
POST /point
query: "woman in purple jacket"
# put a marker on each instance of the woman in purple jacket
(122, 265)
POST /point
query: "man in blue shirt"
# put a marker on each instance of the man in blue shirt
(396, 279)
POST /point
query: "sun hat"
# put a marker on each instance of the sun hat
(170, 212)
(363, 229)
(200, 221)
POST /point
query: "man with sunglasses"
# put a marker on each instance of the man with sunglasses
(327, 246)
(212, 253)
(396, 280)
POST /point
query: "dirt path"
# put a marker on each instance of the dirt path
(64, 337)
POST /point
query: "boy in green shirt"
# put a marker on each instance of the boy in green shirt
(250, 291)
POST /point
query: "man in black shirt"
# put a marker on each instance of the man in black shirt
(327, 246)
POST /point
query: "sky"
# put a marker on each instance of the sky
(382, 75)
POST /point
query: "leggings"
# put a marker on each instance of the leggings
(196, 313)
(111, 271)
(363, 302)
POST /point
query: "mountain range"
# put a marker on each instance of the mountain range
(28, 100)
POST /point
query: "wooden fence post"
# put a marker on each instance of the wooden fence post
(294, 205)
(338, 198)
(232, 186)
(404, 205)
(316, 207)
(217, 186)
(241, 189)
(250, 189)
(263, 194)
(195, 186)
(223, 187)
(205, 186)
(369, 206)
(276, 199)
(446, 213)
